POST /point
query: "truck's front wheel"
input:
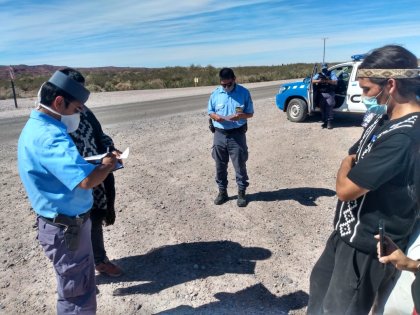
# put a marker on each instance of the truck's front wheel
(297, 110)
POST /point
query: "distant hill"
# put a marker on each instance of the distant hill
(24, 70)
(47, 70)
(28, 79)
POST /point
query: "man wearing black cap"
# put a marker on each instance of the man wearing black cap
(324, 85)
(59, 185)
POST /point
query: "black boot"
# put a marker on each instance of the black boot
(324, 124)
(329, 124)
(241, 202)
(221, 198)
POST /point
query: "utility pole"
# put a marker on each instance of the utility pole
(323, 55)
(12, 79)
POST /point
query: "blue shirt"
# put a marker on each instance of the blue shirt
(228, 103)
(332, 76)
(51, 168)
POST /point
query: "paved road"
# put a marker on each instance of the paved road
(119, 114)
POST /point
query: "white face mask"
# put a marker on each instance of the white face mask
(70, 121)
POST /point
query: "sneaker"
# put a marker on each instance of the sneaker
(109, 269)
(221, 198)
(241, 202)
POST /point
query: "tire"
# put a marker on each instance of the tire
(297, 110)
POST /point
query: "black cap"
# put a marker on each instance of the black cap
(72, 87)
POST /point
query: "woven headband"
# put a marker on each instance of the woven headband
(388, 73)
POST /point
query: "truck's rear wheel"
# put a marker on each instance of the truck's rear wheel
(297, 110)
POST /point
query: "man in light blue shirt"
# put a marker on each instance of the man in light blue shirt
(51, 168)
(229, 107)
(59, 184)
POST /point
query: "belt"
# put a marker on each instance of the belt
(64, 220)
(241, 129)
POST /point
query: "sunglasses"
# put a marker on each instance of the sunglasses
(227, 85)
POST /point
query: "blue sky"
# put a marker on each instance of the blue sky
(160, 33)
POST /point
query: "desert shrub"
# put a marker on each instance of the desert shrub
(155, 84)
(29, 79)
(5, 93)
(94, 88)
(123, 86)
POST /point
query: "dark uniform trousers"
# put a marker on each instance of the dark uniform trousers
(327, 103)
(230, 143)
(75, 270)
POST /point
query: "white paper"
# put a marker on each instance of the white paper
(95, 157)
(227, 118)
(124, 155)
(98, 157)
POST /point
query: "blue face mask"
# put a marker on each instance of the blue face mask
(372, 105)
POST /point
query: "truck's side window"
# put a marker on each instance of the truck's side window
(343, 76)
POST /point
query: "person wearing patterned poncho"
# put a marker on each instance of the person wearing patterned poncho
(90, 140)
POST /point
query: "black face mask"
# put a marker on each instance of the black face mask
(230, 88)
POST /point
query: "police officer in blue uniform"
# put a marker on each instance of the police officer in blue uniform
(59, 185)
(229, 107)
(325, 83)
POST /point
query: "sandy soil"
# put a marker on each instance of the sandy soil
(181, 253)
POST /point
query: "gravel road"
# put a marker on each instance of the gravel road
(125, 107)
(181, 253)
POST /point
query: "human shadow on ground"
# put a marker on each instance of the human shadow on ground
(304, 195)
(171, 265)
(252, 300)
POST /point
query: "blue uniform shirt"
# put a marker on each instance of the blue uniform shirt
(332, 75)
(51, 168)
(228, 103)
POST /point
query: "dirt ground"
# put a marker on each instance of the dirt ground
(181, 253)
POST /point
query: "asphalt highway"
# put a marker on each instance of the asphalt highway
(10, 128)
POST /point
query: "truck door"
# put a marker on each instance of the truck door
(343, 73)
(311, 102)
(354, 94)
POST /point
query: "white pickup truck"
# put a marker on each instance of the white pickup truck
(297, 98)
